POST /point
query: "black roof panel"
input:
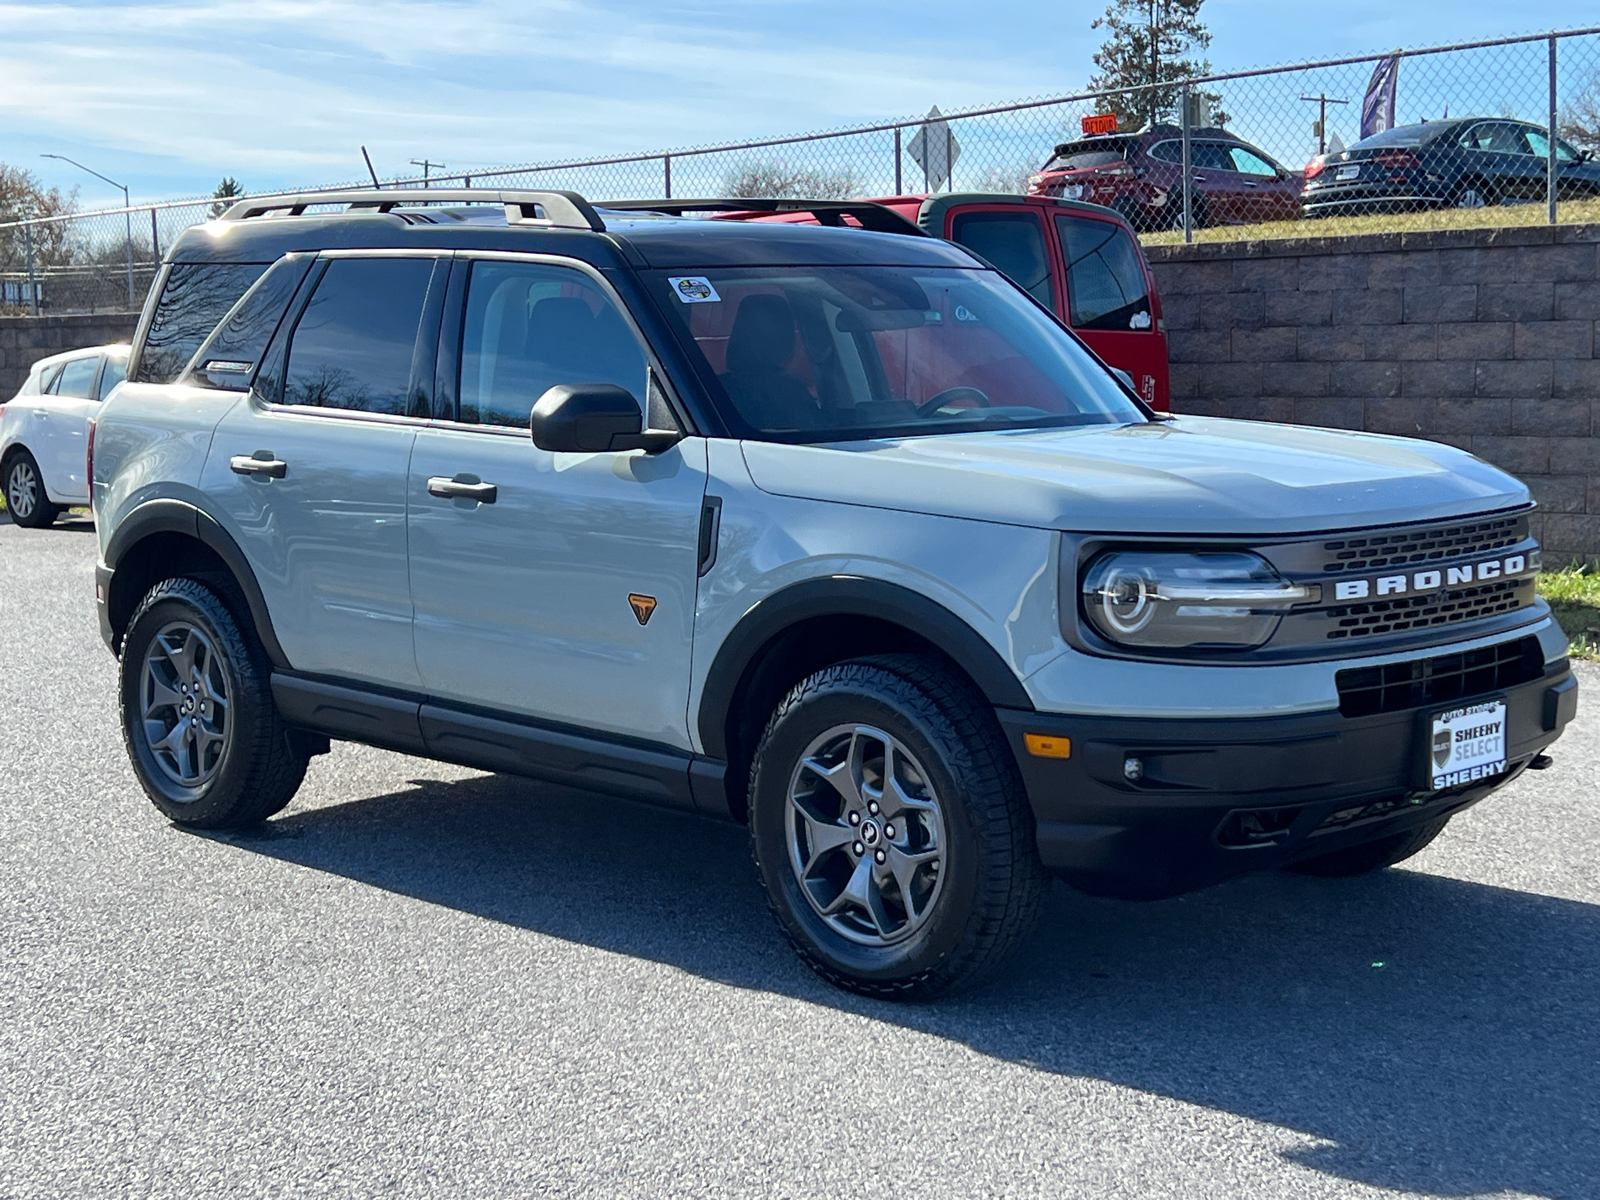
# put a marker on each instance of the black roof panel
(644, 241)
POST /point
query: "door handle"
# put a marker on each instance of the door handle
(463, 487)
(259, 463)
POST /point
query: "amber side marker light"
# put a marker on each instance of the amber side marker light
(1041, 746)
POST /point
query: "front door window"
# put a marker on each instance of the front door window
(530, 327)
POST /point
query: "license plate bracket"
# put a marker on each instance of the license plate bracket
(1465, 743)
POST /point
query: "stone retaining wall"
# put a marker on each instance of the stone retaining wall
(1482, 338)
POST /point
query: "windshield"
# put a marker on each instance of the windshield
(815, 354)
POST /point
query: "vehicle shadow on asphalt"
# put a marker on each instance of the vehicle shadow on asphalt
(1438, 1036)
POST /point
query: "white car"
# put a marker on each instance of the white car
(44, 431)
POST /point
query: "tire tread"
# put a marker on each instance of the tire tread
(1013, 881)
(273, 768)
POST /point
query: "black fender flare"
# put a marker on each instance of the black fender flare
(848, 596)
(165, 515)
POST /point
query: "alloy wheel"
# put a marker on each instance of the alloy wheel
(186, 704)
(22, 490)
(866, 835)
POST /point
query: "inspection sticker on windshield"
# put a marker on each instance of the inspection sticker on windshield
(1468, 744)
(694, 289)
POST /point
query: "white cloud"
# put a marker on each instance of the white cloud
(291, 88)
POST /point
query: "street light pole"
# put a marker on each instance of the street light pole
(127, 214)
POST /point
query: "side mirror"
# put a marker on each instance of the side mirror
(590, 418)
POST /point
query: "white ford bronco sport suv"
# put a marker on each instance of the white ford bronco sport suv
(831, 531)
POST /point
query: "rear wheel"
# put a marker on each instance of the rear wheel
(1474, 193)
(198, 719)
(1373, 856)
(25, 498)
(891, 831)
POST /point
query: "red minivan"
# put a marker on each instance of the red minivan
(1081, 261)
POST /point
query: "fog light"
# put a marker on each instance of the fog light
(1133, 768)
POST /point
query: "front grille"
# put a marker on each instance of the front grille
(1422, 544)
(1364, 691)
(1421, 612)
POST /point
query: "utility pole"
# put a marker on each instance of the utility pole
(426, 166)
(1322, 101)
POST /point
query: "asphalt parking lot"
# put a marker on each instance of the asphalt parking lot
(426, 981)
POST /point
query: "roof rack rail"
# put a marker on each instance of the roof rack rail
(868, 215)
(557, 210)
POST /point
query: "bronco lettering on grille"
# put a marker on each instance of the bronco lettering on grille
(1431, 581)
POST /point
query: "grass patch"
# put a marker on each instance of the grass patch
(1572, 212)
(1574, 596)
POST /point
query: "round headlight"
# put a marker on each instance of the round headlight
(1187, 601)
(1126, 598)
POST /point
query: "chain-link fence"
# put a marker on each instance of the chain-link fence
(1279, 152)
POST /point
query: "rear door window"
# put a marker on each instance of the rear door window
(529, 327)
(352, 347)
(1014, 243)
(1105, 275)
(196, 296)
(77, 377)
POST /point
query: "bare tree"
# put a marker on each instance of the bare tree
(1578, 120)
(771, 178)
(22, 198)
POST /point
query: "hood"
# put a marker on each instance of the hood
(1191, 475)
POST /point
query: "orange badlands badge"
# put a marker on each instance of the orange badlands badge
(643, 606)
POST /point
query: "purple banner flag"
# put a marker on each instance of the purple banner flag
(1377, 109)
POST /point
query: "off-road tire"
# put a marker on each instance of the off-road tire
(994, 886)
(1372, 856)
(260, 767)
(43, 513)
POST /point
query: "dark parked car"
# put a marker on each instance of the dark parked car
(1140, 175)
(1468, 162)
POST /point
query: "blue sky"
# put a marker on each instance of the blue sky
(170, 96)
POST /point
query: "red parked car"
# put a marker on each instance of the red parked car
(1140, 175)
(1081, 261)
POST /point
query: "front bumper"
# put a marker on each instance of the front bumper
(1222, 797)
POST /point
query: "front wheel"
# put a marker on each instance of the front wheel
(890, 828)
(25, 497)
(198, 718)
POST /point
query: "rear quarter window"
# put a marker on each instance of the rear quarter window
(195, 297)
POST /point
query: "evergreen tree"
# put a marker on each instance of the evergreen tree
(227, 192)
(1149, 42)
